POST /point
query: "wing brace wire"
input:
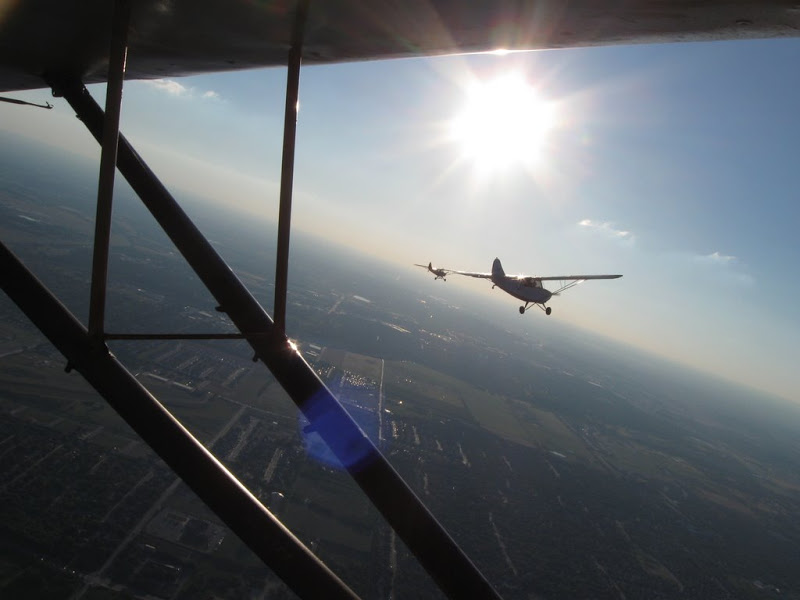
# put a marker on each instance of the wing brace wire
(436, 551)
(46, 105)
(567, 285)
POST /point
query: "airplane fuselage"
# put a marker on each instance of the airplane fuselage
(522, 288)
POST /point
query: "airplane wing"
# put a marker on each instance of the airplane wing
(570, 281)
(69, 38)
(442, 272)
(471, 274)
(574, 277)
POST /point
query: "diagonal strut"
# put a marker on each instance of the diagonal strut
(436, 551)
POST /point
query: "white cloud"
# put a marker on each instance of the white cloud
(728, 266)
(171, 87)
(607, 228)
(717, 258)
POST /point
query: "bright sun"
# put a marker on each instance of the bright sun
(504, 122)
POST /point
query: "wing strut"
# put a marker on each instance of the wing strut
(211, 481)
(108, 165)
(436, 551)
(287, 166)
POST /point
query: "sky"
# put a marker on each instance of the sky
(675, 165)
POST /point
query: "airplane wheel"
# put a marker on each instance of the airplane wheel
(548, 310)
(522, 310)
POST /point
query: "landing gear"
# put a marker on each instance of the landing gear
(522, 309)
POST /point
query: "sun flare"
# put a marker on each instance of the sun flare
(504, 121)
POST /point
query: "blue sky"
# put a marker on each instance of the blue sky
(676, 165)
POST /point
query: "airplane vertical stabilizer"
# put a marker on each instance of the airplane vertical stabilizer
(497, 269)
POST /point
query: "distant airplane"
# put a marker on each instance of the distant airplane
(440, 273)
(528, 289)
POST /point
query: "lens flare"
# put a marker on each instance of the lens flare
(330, 440)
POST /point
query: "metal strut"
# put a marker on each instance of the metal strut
(436, 551)
(287, 166)
(108, 165)
(210, 480)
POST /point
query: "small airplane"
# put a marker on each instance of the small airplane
(440, 273)
(528, 289)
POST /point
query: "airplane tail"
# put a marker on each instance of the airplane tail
(497, 269)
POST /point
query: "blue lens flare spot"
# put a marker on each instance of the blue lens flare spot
(332, 438)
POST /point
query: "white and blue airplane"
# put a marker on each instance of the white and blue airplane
(526, 288)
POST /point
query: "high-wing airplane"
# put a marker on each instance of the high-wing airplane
(64, 44)
(439, 273)
(523, 287)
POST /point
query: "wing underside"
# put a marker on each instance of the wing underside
(69, 38)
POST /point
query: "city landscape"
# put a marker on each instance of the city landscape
(565, 465)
